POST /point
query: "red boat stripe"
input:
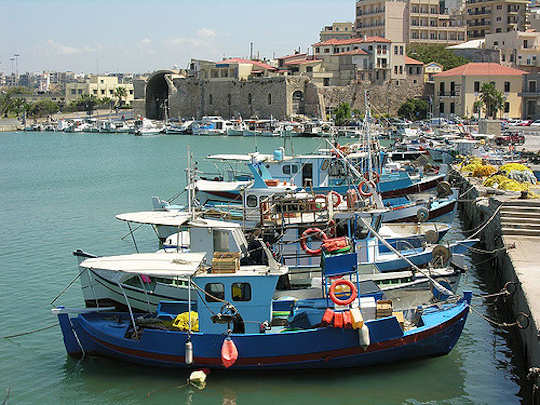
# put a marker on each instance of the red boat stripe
(327, 355)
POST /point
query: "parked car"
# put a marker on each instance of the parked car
(525, 123)
(535, 123)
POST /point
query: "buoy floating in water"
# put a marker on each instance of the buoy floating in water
(229, 353)
(198, 378)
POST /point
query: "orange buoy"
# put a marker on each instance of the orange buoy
(338, 320)
(327, 317)
(347, 320)
(229, 353)
(303, 239)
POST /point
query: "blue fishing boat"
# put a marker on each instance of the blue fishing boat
(234, 325)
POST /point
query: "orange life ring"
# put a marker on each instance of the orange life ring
(369, 184)
(304, 237)
(338, 201)
(375, 176)
(336, 300)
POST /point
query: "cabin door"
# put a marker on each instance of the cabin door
(307, 174)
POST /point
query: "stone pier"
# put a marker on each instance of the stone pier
(514, 233)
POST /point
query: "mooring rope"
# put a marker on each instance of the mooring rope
(486, 224)
(30, 332)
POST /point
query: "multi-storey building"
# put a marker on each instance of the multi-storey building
(517, 49)
(495, 16)
(456, 90)
(371, 58)
(531, 96)
(425, 21)
(338, 30)
(99, 86)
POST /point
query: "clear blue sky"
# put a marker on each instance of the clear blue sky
(140, 36)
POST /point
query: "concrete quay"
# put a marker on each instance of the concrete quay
(514, 235)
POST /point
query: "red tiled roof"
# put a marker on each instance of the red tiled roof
(349, 41)
(251, 62)
(481, 69)
(297, 55)
(302, 61)
(353, 52)
(411, 61)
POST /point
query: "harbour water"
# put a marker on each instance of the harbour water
(60, 192)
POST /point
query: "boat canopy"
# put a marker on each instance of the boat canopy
(165, 218)
(248, 157)
(158, 264)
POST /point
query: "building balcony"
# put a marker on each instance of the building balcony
(479, 24)
(448, 94)
(479, 12)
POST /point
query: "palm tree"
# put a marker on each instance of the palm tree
(492, 99)
(120, 93)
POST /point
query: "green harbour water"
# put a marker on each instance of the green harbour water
(60, 192)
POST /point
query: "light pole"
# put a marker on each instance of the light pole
(16, 56)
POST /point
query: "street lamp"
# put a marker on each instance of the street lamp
(16, 56)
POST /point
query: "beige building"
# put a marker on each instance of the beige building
(338, 30)
(366, 58)
(409, 21)
(456, 90)
(99, 86)
(517, 49)
(430, 70)
(495, 16)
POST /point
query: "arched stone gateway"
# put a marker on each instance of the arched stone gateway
(158, 89)
(298, 102)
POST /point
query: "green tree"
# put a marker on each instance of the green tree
(414, 109)
(427, 53)
(43, 108)
(492, 99)
(120, 93)
(477, 107)
(106, 102)
(342, 114)
(88, 103)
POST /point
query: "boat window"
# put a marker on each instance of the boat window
(241, 292)
(221, 241)
(216, 290)
(251, 200)
(294, 169)
(286, 169)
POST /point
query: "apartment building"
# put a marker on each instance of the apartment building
(338, 30)
(372, 58)
(456, 90)
(425, 21)
(495, 16)
(531, 96)
(517, 49)
(99, 86)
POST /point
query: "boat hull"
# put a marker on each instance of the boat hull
(104, 335)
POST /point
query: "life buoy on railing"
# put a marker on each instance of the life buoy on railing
(337, 201)
(370, 185)
(336, 300)
(374, 176)
(305, 235)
